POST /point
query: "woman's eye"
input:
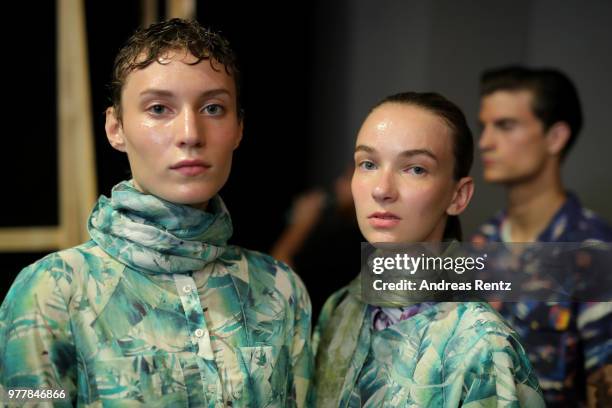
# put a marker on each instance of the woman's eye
(417, 170)
(367, 165)
(157, 109)
(214, 109)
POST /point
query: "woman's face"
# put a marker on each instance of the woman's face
(179, 128)
(403, 184)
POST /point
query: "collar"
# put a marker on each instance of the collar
(498, 229)
(148, 233)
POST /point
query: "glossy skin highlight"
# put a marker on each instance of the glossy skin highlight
(403, 184)
(179, 128)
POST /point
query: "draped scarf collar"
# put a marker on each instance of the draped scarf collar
(150, 234)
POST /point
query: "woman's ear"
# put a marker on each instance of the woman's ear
(462, 196)
(241, 129)
(114, 129)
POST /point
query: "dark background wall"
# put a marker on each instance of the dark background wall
(311, 71)
(441, 45)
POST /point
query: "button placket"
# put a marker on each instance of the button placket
(199, 334)
(194, 314)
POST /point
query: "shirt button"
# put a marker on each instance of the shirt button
(199, 333)
(187, 289)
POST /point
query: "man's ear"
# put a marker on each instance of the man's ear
(114, 130)
(557, 137)
(464, 190)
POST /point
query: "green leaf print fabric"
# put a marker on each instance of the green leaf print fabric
(158, 311)
(449, 355)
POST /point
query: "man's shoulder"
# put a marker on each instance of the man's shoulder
(490, 229)
(591, 226)
(576, 223)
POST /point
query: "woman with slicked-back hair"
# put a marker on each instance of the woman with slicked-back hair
(412, 160)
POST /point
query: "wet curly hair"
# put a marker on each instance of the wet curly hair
(147, 45)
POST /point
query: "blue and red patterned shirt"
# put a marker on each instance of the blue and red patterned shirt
(565, 341)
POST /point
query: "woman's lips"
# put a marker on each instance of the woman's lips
(191, 170)
(190, 167)
(383, 220)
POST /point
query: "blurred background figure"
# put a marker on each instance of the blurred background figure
(321, 241)
(530, 119)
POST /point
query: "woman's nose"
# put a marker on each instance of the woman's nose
(188, 131)
(385, 189)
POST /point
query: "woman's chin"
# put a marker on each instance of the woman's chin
(383, 238)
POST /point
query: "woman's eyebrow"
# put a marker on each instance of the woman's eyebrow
(405, 153)
(156, 92)
(167, 93)
(214, 92)
(419, 152)
(364, 148)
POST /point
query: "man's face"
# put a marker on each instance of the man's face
(513, 142)
(179, 128)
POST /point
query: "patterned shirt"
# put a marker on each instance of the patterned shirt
(384, 317)
(157, 311)
(447, 355)
(565, 341)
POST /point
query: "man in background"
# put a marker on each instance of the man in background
(530, 119)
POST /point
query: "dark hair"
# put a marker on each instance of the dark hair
(463, 142)
(555, 98)
(147, 45)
